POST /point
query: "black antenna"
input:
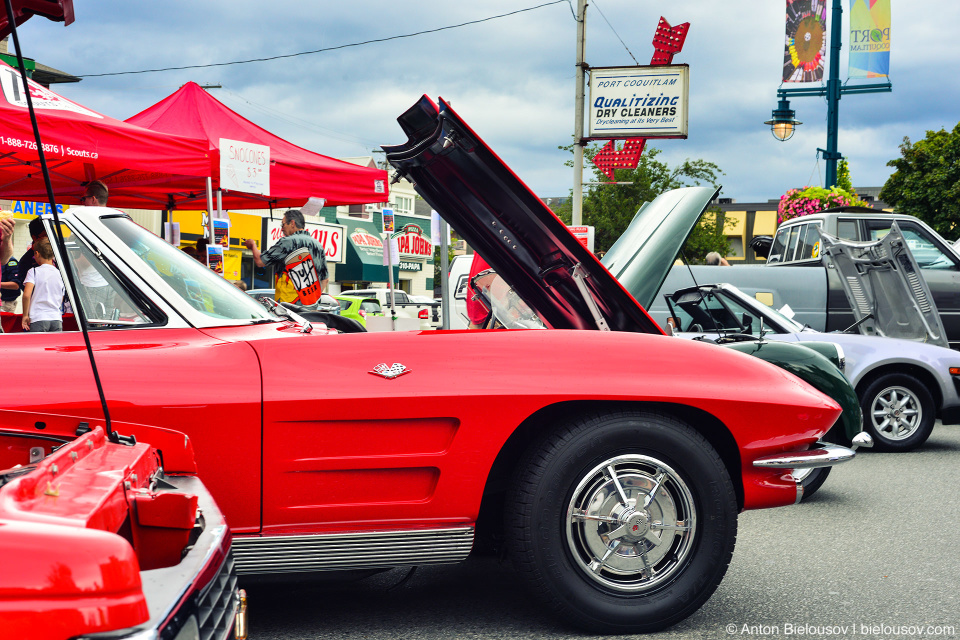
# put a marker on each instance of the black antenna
(58, 234)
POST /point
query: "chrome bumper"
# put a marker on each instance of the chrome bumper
(825, 455)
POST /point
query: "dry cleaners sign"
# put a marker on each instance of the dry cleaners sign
(639, 102)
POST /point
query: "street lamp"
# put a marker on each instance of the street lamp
(783, 123)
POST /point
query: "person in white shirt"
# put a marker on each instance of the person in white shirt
(96, 292)
(43, 292)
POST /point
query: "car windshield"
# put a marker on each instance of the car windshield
(193, 281)
(718, 310)
(509, 311)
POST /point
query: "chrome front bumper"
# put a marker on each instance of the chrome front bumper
(826, 455)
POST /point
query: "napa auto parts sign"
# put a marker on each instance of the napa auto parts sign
(331, 236)
(413, 242)
(639, 102)
(244, 166)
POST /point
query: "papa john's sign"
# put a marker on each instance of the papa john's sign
(413, 242)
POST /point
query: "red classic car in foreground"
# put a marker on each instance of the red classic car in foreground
(96, 539)
(613, 463)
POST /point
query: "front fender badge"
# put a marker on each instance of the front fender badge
(395, 370)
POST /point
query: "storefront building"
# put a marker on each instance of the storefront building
(364, 266)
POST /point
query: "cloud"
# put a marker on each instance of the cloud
(512, 78)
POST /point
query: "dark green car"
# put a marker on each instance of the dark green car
(643, 255)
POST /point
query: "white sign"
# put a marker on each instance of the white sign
(313, 206)
(394, 257)
(639, 102)
(584, 236)
(171, 231)
(244, 166)
(333, 237)
(12, 85)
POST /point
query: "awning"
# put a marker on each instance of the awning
(364, 254)
(295, 174)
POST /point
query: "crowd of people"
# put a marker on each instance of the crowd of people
(297, 258)
(35, 275)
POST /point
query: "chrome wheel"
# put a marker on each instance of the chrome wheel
(622, 521)
(896, 413)
(631, 523)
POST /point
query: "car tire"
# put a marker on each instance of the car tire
(811, 479)
(898, 411)
(575, 535)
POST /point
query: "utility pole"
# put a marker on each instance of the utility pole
(577, 217)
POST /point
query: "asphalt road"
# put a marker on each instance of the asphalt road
(874, 554)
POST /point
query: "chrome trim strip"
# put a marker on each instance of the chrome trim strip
(358, 550)
(826, 455)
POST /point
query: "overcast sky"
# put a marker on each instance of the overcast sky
(511, 78)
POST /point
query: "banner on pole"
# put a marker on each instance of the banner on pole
(869, 39)
(806, 41)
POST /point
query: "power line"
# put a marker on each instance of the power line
(293, 120)
(615, 32)
(342, 46)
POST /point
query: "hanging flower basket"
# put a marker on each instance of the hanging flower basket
(801, 202)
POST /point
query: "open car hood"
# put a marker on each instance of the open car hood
(518, 235)
(643, 255)
(56, 10)
(882, 278)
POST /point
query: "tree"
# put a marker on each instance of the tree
(610, 208)
(844, 181)
(926, 183)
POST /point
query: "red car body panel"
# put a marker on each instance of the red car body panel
(180, 379)
(89, 536)
(333, 459)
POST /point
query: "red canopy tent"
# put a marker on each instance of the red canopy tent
(81, 145)
(295, 173)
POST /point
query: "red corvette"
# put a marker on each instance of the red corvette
(614, 463)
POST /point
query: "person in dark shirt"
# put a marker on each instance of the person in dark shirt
(95, 195)
(297, 256)
(9, 287)
(27, 261)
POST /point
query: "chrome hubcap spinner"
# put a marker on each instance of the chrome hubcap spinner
(631, 523)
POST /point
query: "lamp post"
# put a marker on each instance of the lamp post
(783, 123)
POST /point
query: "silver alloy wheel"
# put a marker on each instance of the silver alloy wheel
(896, 413)
(631, 523)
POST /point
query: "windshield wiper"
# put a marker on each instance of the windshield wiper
(285, 312)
